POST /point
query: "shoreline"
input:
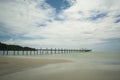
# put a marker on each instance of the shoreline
(13, 64)
(98, 66)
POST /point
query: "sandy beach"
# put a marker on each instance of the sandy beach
(14, 64)
(89, 66)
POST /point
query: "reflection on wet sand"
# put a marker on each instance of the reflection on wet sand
(92, 66)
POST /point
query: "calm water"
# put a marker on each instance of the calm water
(85, 66)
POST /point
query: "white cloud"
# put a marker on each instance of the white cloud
(22, 16)
(75, 30)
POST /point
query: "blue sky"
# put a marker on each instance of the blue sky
(93, 24)
(59, 5)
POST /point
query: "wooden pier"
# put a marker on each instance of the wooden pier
(42, 51)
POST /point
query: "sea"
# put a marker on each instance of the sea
(94, 65)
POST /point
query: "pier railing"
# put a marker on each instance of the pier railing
(42, 51)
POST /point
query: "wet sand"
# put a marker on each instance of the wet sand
(14, 64)
(70, 72)
(92, 66)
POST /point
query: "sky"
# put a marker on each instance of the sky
(92, 24)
